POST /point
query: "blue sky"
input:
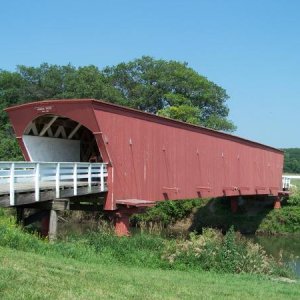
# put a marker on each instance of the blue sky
(250, 48)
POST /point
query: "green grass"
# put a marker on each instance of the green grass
(102, 266)
(296, 183)
(26, 275)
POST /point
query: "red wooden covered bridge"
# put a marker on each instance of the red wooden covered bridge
(147, 158)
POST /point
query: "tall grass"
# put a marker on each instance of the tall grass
(231, 253)
(294, 198)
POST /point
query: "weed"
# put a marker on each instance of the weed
(227, 254)
(294, 199)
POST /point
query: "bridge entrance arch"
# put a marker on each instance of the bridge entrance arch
(55, 138)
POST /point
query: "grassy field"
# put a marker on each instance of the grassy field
(26, 275)
(102, 266)
(296, 183)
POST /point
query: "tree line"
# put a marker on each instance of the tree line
(167, 88)
(291, 160)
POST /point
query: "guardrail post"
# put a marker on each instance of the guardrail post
(12, 185)
(90, 178)
(37, 182)
(102, 178)
(286, 182)
(75, 179)
(57, 183)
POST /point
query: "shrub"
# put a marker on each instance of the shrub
(167, 212)
(284, 220)
(294, 199)
(230, 254)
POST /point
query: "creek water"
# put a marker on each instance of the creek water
(285, 247)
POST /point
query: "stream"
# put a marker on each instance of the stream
(287, 247)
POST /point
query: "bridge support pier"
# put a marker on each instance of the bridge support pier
(121, 220)
(121, 223)
(52, 225)
(277, 203)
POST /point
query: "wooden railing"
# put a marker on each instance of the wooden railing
(57, 175)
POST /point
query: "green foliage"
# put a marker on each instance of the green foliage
(219, 123)
(282, 221)
(13, 237)
(209, 251)
(171, 89)
(167, 212)
(185, 113)
(294, 199)
(229, 254)
(139, 250)
(57, 82)
(9, 148)
(291, 160)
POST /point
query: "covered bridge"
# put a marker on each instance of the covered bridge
(149, 158)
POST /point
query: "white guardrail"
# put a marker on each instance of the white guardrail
(37, 175)
(286, 180)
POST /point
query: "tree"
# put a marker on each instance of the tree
(186, 113)
(171, 89)
(291, 160)
(65, 82)
(9, 148)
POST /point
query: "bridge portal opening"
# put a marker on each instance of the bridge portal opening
(53, 138)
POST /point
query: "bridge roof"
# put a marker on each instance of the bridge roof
(134, 113)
